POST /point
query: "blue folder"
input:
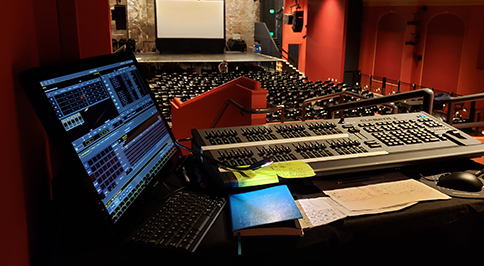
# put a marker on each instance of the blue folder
(262, 207)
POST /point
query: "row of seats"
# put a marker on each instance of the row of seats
(285, 89)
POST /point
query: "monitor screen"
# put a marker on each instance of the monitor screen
(191, 19)
(114, 127)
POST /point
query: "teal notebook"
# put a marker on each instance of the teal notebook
(269, 211)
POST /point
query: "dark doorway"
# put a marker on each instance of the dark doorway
(294, 55)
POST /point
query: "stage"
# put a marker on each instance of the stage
(230, 57)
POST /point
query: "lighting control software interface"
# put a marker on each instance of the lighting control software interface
(115, 128)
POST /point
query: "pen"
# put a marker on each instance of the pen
(239, 244)
(181, 163)
(185, 175)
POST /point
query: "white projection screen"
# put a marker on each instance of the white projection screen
(190, 19)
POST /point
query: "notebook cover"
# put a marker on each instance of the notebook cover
(262, 207)
(286, 228)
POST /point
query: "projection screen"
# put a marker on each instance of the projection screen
(190, 19)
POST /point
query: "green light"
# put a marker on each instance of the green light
(272, 33)
(271, 11)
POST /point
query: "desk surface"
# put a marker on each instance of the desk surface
(428, 232)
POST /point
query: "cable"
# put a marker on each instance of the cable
(478, 173)
(253, 166)
(295, 5)
(428, 178)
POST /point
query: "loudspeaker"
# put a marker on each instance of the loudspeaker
(288, 19)
(297, 21)
(119, 15)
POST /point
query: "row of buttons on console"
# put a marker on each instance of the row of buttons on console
(226, 133)
(251, 138)
(240, 157)
(407, 137)
(278, 153)
(225, 141)
(328, 131)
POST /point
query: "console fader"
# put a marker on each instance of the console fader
(337, 146)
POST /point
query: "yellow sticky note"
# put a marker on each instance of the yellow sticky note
(261, 176)
(293, 169)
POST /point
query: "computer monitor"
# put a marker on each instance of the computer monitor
(102, 117)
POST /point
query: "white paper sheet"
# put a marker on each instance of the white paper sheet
(324, 210)
(384, 195)
(363, 200)
(320, 211)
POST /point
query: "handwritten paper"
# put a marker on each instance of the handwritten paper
(320, 211)
(364, 200)
(261, 176)
(293, 169)
(270, 174)
(384, 195)
(324, 210)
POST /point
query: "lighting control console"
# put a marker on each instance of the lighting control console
(337, 146)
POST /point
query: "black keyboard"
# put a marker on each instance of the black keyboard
(182, 221)
(336, 146)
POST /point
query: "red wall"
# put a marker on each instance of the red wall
(374, 20)
(17, 52)
(447, 63)
(80, 29)
(443, 52)
(326, 39)
(31, 37)
(322, 50)
(92, 14)
(471, 75)
(389, 46)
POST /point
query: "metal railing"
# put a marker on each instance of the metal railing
(286, 56)
(452, 101)
(270, 109)
(386, 86)
(427, 94)
(341, 99)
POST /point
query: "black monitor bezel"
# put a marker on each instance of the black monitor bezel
(71, 170)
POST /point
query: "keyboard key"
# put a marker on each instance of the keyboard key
(182, 222)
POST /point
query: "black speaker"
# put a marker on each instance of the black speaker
(288, 19)
(297, 21)
(119, 15)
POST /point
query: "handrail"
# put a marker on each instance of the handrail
(289, 58)
(460, 99)
(469, 125)
(120, 49)
(386, 81)
(427, 94)
(270, 109)
(334, 95)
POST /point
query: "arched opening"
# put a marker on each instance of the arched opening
(389, 46)
(443, 52)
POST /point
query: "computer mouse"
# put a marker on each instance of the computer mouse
(461, 181)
